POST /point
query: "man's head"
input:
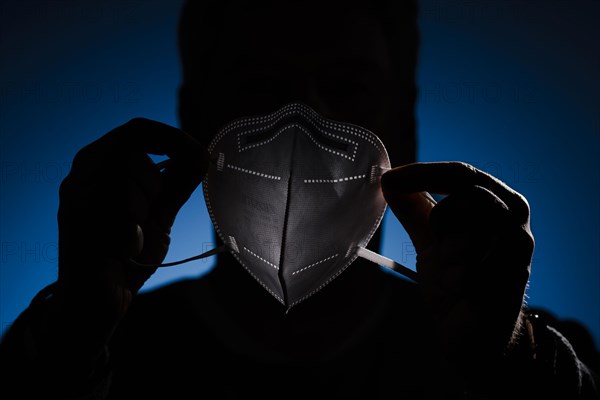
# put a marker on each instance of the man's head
(351, 61)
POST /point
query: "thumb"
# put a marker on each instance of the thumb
(411, 208)
(179, 179)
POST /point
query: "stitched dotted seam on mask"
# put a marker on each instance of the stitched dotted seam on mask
(319, 145)
(268, 289)
(261, 259)
(319, 128)
(321, 286)
(218, 230)
(350, 261)
(338, 180)
(283, 112)
(250, 146)
(208, 206)
(306, 112)
(315, 263)
(258, 120)
(362, 133)
(354, 131)
(251, 121)
(249, 171)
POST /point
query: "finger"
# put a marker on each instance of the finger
(413, 211)
(178, 182)
(473, 232)
(141, 170)
(123, 151)
(152, 137)
(472, 209)
(464, 226)
(184, 172)
(139, 136)
(449, 177)
(132, 183)
(103, 215)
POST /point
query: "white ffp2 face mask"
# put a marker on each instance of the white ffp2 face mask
(295, 198)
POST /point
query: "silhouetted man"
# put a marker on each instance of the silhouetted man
(461, 332)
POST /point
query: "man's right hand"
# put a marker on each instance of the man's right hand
(117, 205)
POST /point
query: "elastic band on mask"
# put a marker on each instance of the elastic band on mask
(230, 245)
(386, 262)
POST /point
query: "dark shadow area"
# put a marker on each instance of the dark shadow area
(356, 332)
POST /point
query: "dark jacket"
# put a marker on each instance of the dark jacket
(223, 336)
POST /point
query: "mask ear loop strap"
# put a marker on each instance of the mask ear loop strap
(386, 262)
(230, 245)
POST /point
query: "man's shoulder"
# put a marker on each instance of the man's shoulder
(163, 313)
(176, 289)
(399, 285)
(171, 299)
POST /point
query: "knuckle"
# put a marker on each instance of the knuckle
(520, 208)
(82, 156)
(136, 123)
(463, 167)
(529, 242)
(524, 244)
(64, 190)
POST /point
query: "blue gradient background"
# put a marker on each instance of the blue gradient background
(509, 86)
